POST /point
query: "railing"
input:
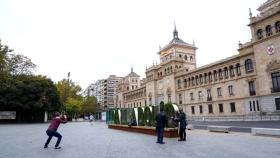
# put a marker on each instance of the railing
(266, 117)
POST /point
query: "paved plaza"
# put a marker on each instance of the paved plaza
(81, 140)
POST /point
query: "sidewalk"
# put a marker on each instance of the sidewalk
(81, 140)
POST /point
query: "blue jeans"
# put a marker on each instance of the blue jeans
(160, 134)
(51, 133)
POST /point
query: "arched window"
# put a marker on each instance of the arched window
(192, 81)
(231, 71)
(185, 83)
(220, 74)
(249, 66)
(189, 82)
(226, 72)
(215, 75)
(205, 77)
(186, 57)
(191, 58)
(277, 26)
(196, 80)
(259, 34)
(200, 79)
(180, 56)
(179, 83)
(238, 71)
(210, 76)
(268, 30)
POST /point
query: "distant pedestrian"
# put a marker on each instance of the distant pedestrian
(161, 122)
(91, 118)
(182, 123)
(52, 129)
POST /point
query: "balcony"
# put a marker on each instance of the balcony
(252, 93)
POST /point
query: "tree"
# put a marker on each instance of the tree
(73, 106)
(68, 89)
(89, 104)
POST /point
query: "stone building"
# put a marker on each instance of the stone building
(243, 86)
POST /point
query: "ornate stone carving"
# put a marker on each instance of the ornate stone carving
(273, 65)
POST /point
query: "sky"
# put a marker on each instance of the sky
(95, 39)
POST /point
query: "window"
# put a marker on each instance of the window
(180, 56)
(277, 103)
(186, 57)
(277, 26)
(180, 98)
(258, 107)
(260, 34)
(215, 75)
(226, 72)
(252, 89)
(196, 80)
(185, 83)
(210, 109)
(220, 74)
(193, 112)
(249, 66)
(200, 95)
(200, 109)
(200, 79)
(192, 81)
(205, 78)
(191, 95)
(230, 90)
(209, 97)
(238, 71)
(268, 30)
(191, 58)
(179, 84)
(231, 71)
(250, 105)
(254, 106)
(210, 76)
(221, 108)
(232, 107)
(275, 82)
(219, 91)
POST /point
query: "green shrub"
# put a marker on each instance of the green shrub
(116, 117)
(148, 117)
(124, 116)
(141, 118)
(155, 109)
(170, 112)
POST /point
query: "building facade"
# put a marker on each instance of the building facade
(243, 86)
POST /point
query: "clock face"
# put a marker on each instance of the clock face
(270, 49)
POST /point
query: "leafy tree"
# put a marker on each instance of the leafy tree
(68, 89)
(73, 106)
(89, 104)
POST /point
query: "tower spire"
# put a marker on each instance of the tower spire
(131, 68)
(175, 32)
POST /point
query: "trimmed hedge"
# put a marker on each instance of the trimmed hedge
(148, 117)
(155, 109)
(141, 118)
(116, 116)
(170, 112)
(124, 116)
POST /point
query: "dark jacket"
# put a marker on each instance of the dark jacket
(56, 122)
(161, 119)
(181, 118)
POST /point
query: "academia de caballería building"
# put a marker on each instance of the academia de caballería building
(241, 87)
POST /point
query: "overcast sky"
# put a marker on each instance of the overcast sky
(95, 39)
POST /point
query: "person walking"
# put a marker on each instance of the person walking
(91, 119)
(161, 122)
(52, 129)
(181, 120)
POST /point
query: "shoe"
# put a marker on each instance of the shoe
(157, 142)
(184, 139)
(162, 143)
(45, 147)
(180, 139)
(58, 147)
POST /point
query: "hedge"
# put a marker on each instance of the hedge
(148, 117)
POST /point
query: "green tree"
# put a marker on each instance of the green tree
(89, 104)
(73, 106)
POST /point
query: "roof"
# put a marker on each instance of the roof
(132, 74)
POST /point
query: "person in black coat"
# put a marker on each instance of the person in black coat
(161, 122)
(181, 120)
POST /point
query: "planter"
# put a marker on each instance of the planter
(168, 132)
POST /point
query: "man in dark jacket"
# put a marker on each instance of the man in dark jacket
(181, 119)
(52, 130)
(161, 122)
